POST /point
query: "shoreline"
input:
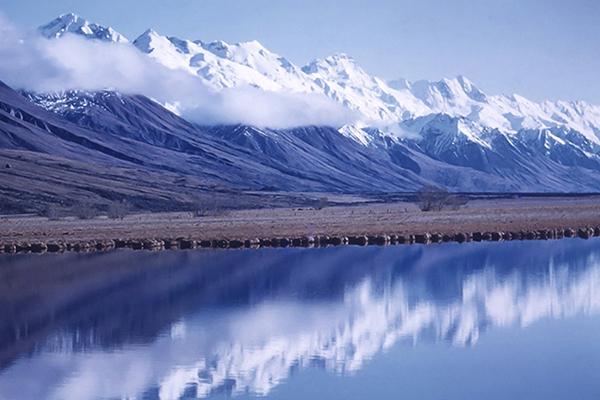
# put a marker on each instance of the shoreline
(426, 238)
(378, 223)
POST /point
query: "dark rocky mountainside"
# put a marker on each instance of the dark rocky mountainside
(106, 146)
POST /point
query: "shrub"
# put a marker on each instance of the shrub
(321, 203)
(205, 208)
(52, 212)
(118, 210)
(456, 201)
(85, 210)
(433, 198)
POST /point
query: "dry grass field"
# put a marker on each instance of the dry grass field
(355, 219)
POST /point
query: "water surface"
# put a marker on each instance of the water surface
(513, 320)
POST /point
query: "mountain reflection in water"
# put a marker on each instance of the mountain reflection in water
(190, 324)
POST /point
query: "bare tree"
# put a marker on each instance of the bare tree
(52, 212)
(434, 198)
(85, 210)
(118, 210)
(456, 201)
(207, 206)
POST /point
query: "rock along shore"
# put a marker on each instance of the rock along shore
(303, 241)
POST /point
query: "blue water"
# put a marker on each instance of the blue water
(513, 320)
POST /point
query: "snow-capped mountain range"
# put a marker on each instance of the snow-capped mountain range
(407, 134)
(339, 77)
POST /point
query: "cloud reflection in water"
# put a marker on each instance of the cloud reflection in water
(178, 324)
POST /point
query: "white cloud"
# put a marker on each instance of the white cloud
(30, 62)
(276, 110)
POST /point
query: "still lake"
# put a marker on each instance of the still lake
(509, 320)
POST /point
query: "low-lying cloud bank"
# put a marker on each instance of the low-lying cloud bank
(31, 62)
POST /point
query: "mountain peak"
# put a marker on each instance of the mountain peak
(69, 17)
(455, 91)
(469, 88)
(151, 40)
(464, 81)
(339, 63)
(144, 41)
(253, 44)
(148, 34)
(238, 52)
(341, 56)
(341, 59)
(74, 24)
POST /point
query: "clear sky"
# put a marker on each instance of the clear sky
(537, 48)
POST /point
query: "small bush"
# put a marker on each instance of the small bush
(207, 208)
(85, 210)
(52, 212)
(455, 201)
(321, 203)
(118, 210)
(433, 198)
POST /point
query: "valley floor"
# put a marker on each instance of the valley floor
(483, 215)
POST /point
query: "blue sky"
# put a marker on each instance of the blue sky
(537, 48)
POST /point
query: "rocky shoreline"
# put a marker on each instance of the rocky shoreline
(304, 241)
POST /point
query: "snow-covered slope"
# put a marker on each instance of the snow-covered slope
(272, 66)
(192, 57)
(339, 77)
(459, 97)
(343, 80)
(224, 65)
